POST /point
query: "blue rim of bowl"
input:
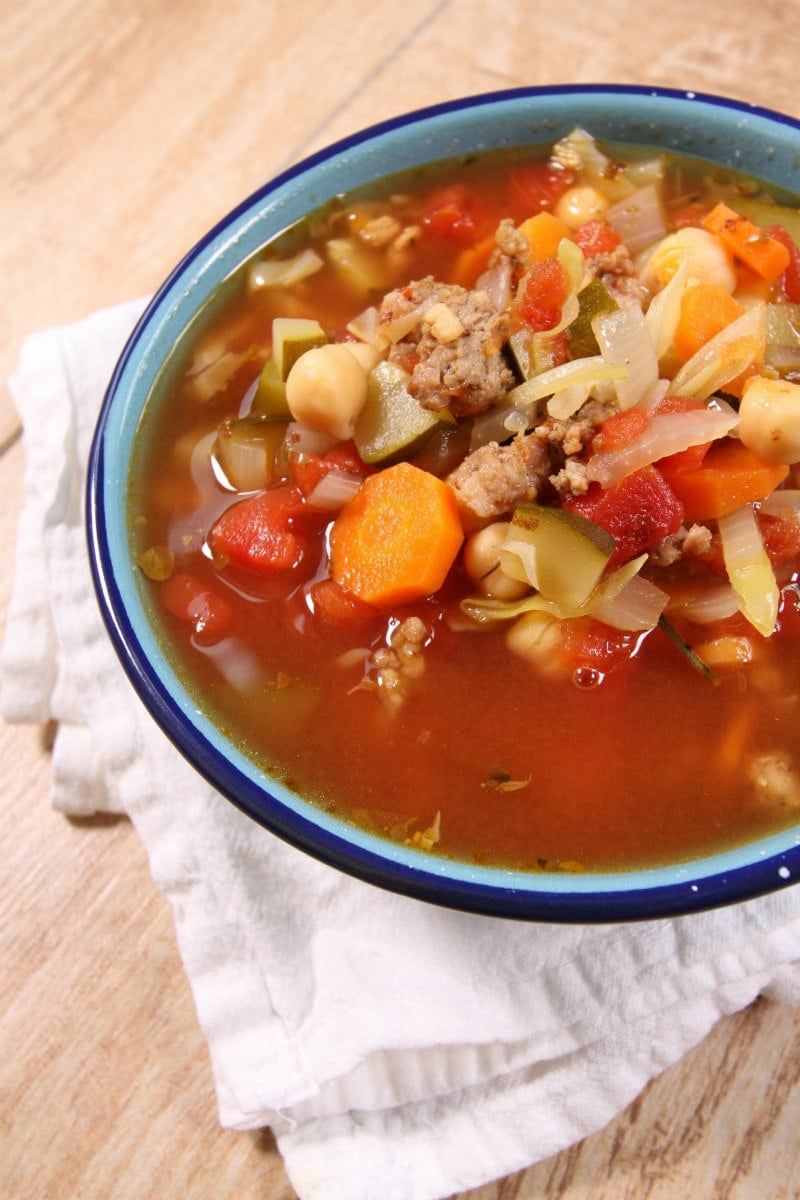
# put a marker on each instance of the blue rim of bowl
(678, 889)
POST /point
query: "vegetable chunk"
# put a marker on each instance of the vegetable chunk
(396, 540)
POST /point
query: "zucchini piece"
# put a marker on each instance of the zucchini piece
(595, 300)
(562, 554)
(270, 397)
(392, 424)
(291, 337)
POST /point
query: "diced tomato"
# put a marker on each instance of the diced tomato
(546, 290)
(206, 609)
(790, 280)
(690, 458)
(334, 605)
(639, 511)
(537, 186)
(557, 350)
(589, 644)
(781, 536)
(620, 429)
(454, 213)
(308, 469)
(597, 237)
(256, 533)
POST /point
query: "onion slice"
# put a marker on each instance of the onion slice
(749, 568)
(283, 272)
(624, 339)
(591, 370)
(333, 491)
(667, 433)
(723, 357)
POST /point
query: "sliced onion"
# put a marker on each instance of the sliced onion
(638, 218)
(243, 463)
(302, 440)
(366, 327)
(589, 370)
(782, 501)
(624, 339)
(497, 424)
(654, 395)
(749, 568)
(333, 491)
(723, 357)
(202, 461)
(283, 272)
(497, 283)
(664, 311)
(568, 401)
(708, 604)
(666, 434)
(636, 606)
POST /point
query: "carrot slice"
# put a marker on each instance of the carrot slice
(763, 254)
(473, 261)
(705, 311)
(398, 537)
(543, 233)
(729, 476)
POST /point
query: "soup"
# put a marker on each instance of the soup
(470, 511)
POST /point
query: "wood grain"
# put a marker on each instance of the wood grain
(126, 129)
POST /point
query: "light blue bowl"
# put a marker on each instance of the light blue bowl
(732, 135)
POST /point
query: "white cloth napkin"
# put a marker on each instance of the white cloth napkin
(399, 1051)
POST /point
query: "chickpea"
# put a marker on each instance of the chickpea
(769, 419)
(365, 355)
(482, 563)
(536, 636)
(579, 205)
(709, 261)
(326, 389)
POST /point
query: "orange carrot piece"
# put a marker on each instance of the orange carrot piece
(729, 476)
(543, 232)
(705, 311)
(473, 261)
(762, 253)
(398, 537)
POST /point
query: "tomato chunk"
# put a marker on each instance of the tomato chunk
(193, 601)
(537, 186)
(545, 292)
(454, 214)
(256, 533)
(308, 469)
(683, 460)
(639, 511)
(590, 644)
(597, 237)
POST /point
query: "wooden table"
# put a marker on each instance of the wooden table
(127, 129)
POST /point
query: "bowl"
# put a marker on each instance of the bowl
(733, 135)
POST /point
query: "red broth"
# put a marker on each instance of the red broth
(612, 749)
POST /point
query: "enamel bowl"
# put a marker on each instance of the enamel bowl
(763, 143)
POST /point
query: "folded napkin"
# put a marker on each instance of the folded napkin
(398, 1051)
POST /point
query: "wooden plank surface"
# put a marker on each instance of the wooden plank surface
(126, 129)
